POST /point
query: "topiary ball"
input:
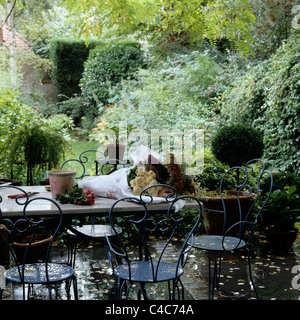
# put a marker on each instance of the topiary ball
(237, 144)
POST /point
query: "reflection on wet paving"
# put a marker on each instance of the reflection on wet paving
(272, 273)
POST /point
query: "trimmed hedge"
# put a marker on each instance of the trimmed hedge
(107, 65)
(236, 144)
(68, 56)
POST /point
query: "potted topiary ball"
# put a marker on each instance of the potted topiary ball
(233, 145)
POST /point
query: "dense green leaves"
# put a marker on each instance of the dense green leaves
(192, 20)
(68, 56)
(235, 145)
(106, 66)
(267, 96)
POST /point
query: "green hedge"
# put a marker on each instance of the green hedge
(107, 65)
(68, 56)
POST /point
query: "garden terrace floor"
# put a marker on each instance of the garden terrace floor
(272, 273)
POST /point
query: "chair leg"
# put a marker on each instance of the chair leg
(119, 285)
(72, 249)
(176, 288)
(142, 291)
(214, 280)
(75, 288)
(250, 274)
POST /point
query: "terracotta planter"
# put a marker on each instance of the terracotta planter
(115, 151)
(281, 240)
(37, 250)
(213, 221)
(45, 182)
(61, 181)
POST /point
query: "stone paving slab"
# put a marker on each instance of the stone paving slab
(272, 273)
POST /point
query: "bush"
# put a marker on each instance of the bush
(173, 95)
(68, 56)
(106, 66)
(267, 96)
(77, 108)
(13, 114)
(236, 144)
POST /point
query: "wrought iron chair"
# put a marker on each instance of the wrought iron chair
(89, 232)
(238, 234)
(29, 259)
(150, 264)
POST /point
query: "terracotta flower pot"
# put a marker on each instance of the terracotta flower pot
(37, 250)
(213, 221)
(61, 181)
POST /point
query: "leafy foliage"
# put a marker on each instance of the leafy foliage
(68, 56)
(236, 144)
(193, 19)
(283, 208)
(267, 96)
(173, 95)
(77, 196)
(35, 144)
(106, 66)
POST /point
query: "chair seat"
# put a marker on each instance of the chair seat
(93, 231)
(36, 273)
(142, 271)
(215, 243)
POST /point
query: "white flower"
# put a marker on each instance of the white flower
(141, 171)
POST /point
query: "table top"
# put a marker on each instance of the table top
(10, 208)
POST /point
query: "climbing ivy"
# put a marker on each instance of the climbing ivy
(267, 96)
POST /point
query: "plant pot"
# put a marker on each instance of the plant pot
(115, 151)
(213, 221)
(61, 181)
(37, 250)
(281, 240)
(45, 182)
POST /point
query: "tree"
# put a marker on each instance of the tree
(273, 25)
(193, 19)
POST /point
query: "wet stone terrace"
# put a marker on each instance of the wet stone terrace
(272, 273)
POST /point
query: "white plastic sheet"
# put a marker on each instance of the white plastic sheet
(115, 185)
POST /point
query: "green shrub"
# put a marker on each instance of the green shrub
(68, 56)
(236, 144)
(107, 65)
(173, 95)
(13, 114)
(267, 96)
(77, 108)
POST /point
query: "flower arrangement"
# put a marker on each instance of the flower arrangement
(144, 178)
(77, 196)
(154, 173)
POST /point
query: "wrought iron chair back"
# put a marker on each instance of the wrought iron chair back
(249, 185)
(240, 217)
(87, 232)
(98, 157)
(83, 160)
(30, 260)
(151, 263)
